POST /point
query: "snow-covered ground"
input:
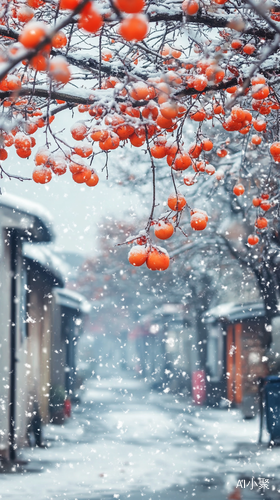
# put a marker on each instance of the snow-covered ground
(124, 441)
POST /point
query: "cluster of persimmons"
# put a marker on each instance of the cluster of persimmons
(147, 112)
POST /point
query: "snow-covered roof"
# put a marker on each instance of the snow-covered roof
(35, 221)
(175, 311)
(71, 299)
(171, 309)
(234, 312)
(47, 259)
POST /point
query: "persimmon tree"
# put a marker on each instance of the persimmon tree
(106, 281)
(203, 274)
(229, 236)
(138, 72)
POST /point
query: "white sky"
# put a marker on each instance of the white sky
(76, 209)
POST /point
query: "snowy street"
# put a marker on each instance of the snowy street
(126, 442)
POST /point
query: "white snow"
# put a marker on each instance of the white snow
(221, 310)
(44, 256)
(161, 225)
(70, 298)
(151, 441)
(138, 250)
(78, 127)
(28, 207)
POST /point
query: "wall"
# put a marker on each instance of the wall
(21, 352)
(57, 370)
(5, 313)
(40, 300)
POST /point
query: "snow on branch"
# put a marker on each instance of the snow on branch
(189, 92)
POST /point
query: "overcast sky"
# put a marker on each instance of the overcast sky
(76, 209)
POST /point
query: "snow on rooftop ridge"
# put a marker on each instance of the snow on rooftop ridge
(220, 310)
(68, 296)
(176, 310)
(28, 207)
(47, 259)
(233, 310)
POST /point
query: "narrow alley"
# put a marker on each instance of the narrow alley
(125, 441)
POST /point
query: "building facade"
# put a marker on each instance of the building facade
(20, 221)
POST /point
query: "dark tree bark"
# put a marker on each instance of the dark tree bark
(267, 287)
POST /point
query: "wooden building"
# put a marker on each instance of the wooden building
(236, 354)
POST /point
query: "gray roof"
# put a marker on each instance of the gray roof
(71, 299)
(31, 219)
(175, 311)
(231, 312)
(50, 262)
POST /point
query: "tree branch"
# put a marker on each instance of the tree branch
(260, 11)
(70, 97)
(192, 245)
(28, 54)
(9, 32)
(237, 255)
(211, 22)
(92, 64)
(206, 20)
(267, 51)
